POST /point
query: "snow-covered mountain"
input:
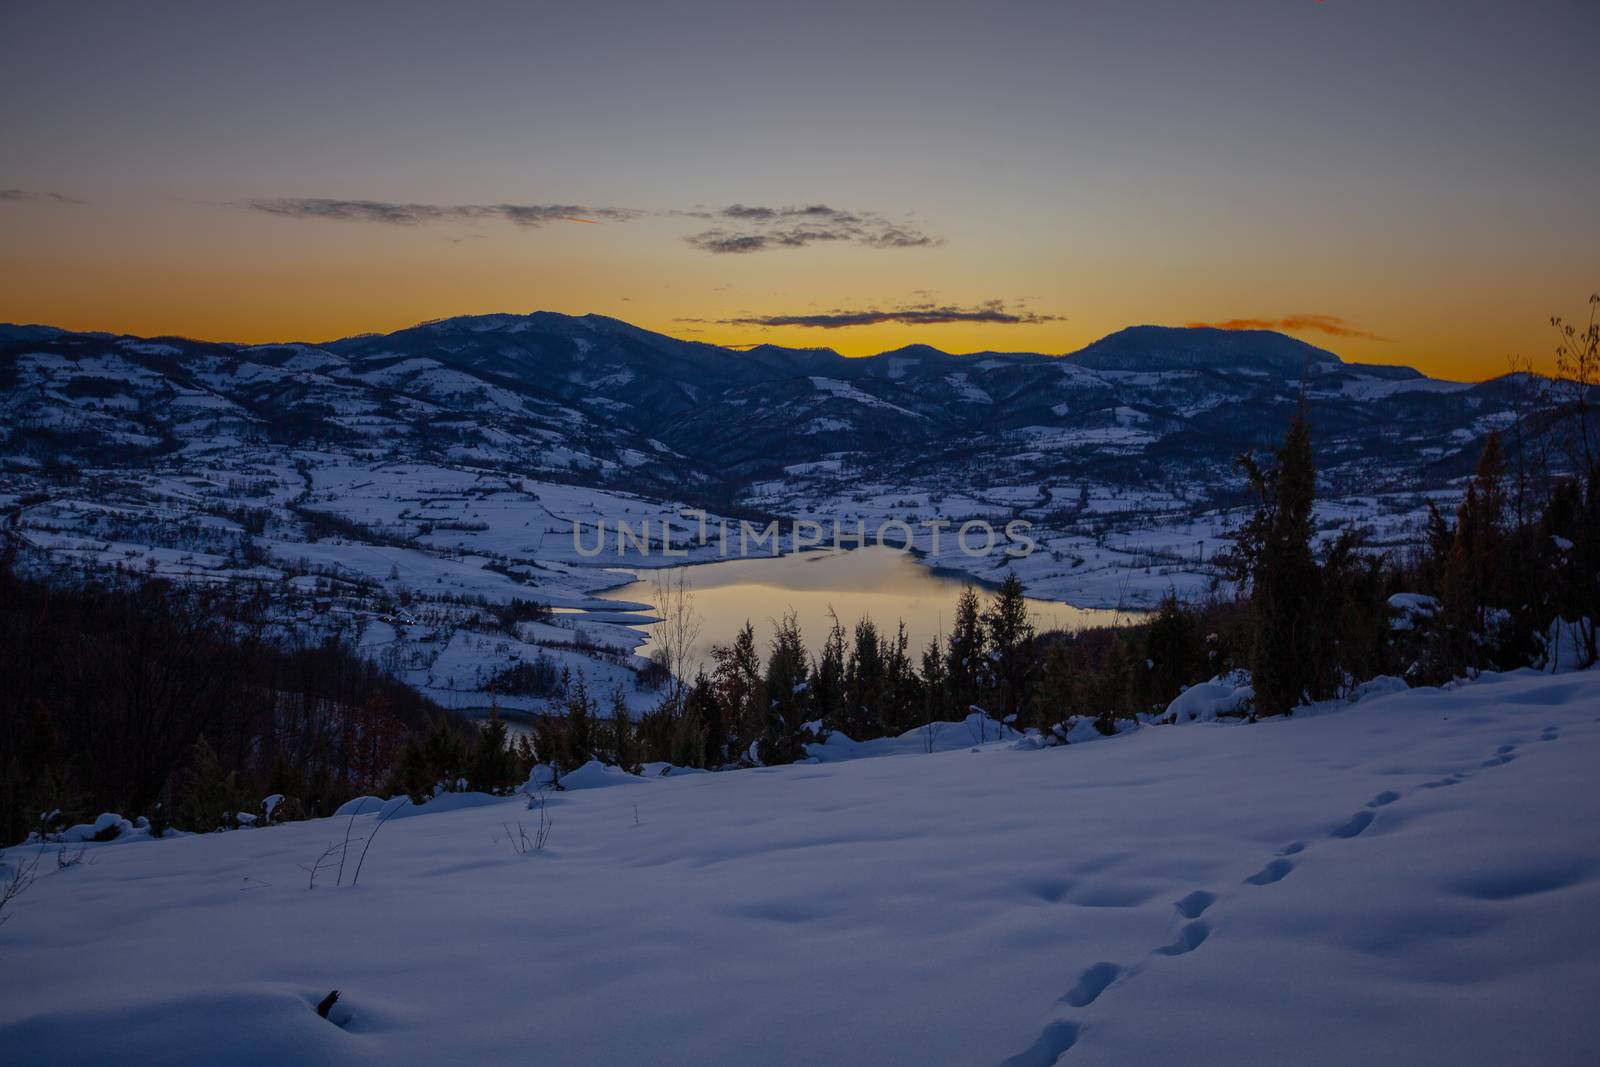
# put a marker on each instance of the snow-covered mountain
(596, 397)
(389, 487)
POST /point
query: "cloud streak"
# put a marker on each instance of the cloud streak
(390, 213)
(1332, 325)
(26, 196)
(737, 229)
(990, 312)
(742, 229)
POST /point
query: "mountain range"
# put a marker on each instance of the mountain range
(597, 400)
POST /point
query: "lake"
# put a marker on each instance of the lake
(883, 584)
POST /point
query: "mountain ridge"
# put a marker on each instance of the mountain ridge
(599, 399)
(1135, 347)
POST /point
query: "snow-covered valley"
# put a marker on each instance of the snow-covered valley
(1414, 877)
(402, 492)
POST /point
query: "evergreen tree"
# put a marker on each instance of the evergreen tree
(1274, 549)
(446, 755)
(864, 680)
(935, 685)
(1010, 656)
(964, 663)
(1052, 698)
(690, 744)
(703, 718)
(1174, 655)
(827, 685)
(788, 680)
(902, 689)
(738, 684)
(412, 775)
(209, 798)
(492, 767)
(577, 736)
(624, 747)
(1474, 568)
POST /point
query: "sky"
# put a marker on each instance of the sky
(1402, 182)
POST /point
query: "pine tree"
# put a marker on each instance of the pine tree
(703, 717)
(492, 767)
(935, 685)
(1010, 646)
(1275, 549)
(412, 775)
(446, 755)
(209, 797)
(689, 739)
(864, 681)
(1474, 567)
(788, 680)
(827, 686)
(577, 736)
(1174, 655)
(624, 748)
(964, 664)
(902, 689)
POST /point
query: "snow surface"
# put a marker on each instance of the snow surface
(1413, 878)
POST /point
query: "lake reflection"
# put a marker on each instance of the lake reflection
(882, 584)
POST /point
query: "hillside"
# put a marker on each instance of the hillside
(1416, 873)
(387, 487)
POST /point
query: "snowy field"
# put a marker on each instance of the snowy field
(1412, 879)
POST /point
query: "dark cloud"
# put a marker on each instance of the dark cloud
(397, 214)
(990, 312)
(744, 228)
(1332, 325)
(28, 196)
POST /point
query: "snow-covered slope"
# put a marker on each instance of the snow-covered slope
(1412, 879)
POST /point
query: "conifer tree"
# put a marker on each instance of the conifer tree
(1274, 548)
(1010, 636)
(577, 736)
(964, 665)
(788, 680)
(208, 799)
(827, 686)
(446, 756)
(1174, 655)
(935, 686)
(624, 746)
(492, 767)
(412, 775)
(739, 688)
(1473, 573)
(864, 684)
(703, 718)
(902, 689)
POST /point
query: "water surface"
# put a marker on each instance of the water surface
(879, 583)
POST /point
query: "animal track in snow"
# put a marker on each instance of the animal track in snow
(1091, 983)
(1056, 1039)
(1060, 1035)
(1195, 904)
(1272, 872)
(1358, 823)
(1190, 938)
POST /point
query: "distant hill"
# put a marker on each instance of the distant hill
(596, 399)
